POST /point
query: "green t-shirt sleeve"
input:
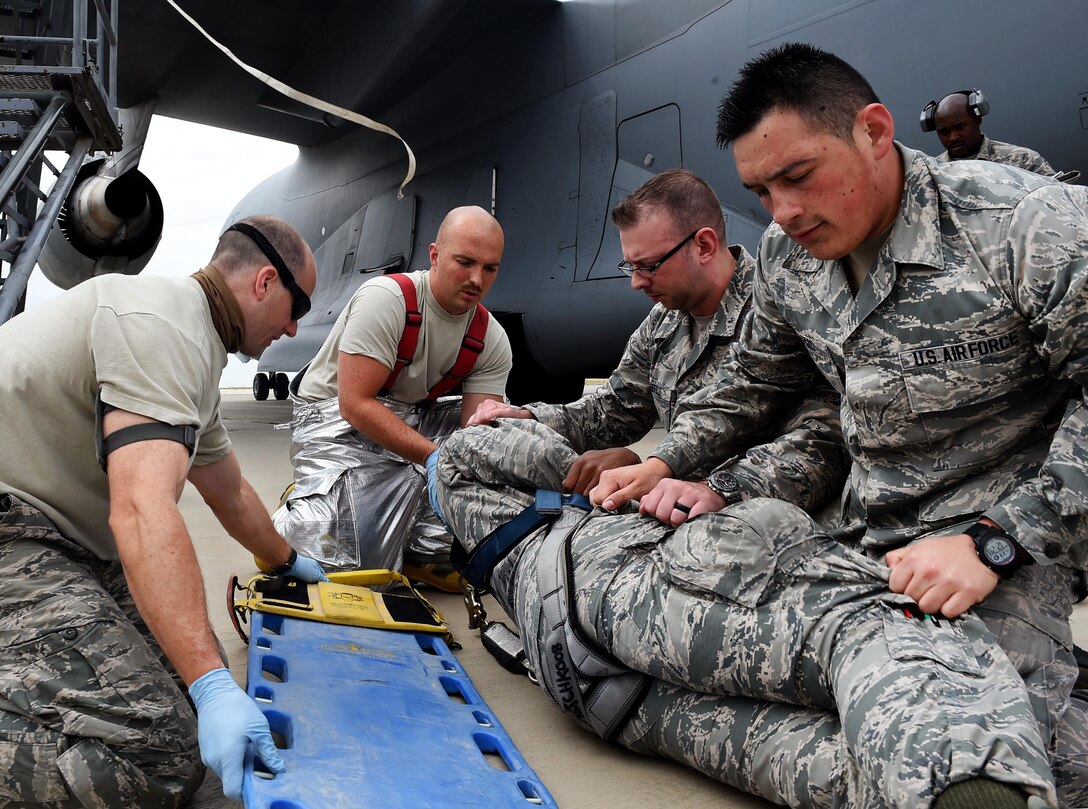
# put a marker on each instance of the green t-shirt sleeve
(145, 365)
(374, 325)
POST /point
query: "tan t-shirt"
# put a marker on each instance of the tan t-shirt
(371, 326)
(859, 263)
(147, 344)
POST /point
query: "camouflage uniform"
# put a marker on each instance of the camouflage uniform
(756, 601)
(89, 715)
(804, 460)
(1007, 154)
(961, 364)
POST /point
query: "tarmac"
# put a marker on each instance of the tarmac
(580, 770)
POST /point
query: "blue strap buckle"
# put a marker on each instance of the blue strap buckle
(550, 503)
(496, 545)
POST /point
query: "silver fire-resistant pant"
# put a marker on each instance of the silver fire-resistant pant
(356, 505)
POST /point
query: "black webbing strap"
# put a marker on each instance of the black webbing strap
(148, 431)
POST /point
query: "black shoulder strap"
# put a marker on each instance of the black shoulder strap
(148, 431)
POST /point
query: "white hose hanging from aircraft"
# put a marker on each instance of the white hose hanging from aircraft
(310, 100)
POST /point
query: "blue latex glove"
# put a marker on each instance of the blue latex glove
(306, 569)
(227, 719)
(432, 487)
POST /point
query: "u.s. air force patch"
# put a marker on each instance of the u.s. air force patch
(959, 352)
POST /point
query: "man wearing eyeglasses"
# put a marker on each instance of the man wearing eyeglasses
(112, 395)
(368, 412)
(673, 238)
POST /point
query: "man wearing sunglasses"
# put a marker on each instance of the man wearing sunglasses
(113, 393)
(370, 408)
(673, 238)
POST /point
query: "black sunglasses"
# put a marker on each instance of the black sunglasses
(627, 268)
(300, 301)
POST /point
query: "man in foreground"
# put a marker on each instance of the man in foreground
(102, 614)
(947, 304)
(368, 412)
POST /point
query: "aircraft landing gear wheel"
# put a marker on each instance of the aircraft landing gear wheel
(260, 387)
(279, 385)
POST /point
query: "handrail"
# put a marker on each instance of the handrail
(91, 43)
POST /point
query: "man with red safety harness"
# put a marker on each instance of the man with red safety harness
(374, 404)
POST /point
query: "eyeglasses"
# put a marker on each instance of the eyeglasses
(300, 301)
(627, 268)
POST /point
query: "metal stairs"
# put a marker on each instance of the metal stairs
(58, 90)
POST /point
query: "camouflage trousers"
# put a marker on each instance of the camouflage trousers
(752, 620)
(1029, 614)
(355, 504)
(90, 715)
(790, 755)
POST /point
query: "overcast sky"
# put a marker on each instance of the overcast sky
(200, 173)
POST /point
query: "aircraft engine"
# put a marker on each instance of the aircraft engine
(107, 224)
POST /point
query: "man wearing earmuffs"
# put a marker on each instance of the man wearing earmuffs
(957, 120)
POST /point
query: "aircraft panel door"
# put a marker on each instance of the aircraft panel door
(387, 235)
(597, 162)
(647, 144)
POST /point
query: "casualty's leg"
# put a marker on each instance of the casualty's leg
(90, 717)
(784, 753)
(755, 601)
(1029, 615)
(489, 474)
(789, 755)
(1069, 760)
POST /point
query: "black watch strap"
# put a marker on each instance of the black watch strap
(997, 549)
(726, 486)
(279, 570)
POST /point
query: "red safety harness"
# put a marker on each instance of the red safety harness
(471, 345)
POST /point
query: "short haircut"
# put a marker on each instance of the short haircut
(687, 199)
(966, 96)
(820, 87)
(236, 251)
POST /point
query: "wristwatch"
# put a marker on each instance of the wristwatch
(726, 486)
(997, 550)
(279, 570)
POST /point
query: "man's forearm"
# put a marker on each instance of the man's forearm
(807, 464)
(600, 420)
(381, 425)
(164, 578)
(245, 518)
